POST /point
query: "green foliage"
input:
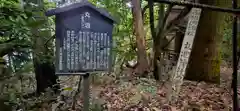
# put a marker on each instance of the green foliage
(123, 31)
(226, 45)
(16, 37)
(18, 24)
(13, 25)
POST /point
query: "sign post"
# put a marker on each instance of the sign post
(184, 55)
(83, 46)
(235, 13)
(86, 89)
(235, 61)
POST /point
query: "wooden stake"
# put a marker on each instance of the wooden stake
(86, 88)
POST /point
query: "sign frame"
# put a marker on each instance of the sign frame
(101, 15)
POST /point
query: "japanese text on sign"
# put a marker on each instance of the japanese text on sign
(187, 44)
(84, 50)
(87, 49)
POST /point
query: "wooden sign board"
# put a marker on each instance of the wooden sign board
(186, 49)
(83, 39)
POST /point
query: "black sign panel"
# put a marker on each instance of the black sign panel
(84, 41)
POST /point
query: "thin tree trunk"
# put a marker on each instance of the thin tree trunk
(158, 41)
(140, 37)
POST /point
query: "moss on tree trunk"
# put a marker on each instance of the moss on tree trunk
(205, 59)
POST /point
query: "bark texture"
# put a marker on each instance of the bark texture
(204, 64)
(140, 37)
(43, 53)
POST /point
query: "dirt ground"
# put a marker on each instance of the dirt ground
(143, 94)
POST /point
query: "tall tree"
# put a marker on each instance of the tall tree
(142, 65)
(205, 58)
(42, 51)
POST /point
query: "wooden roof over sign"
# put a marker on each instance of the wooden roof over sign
(79, 5)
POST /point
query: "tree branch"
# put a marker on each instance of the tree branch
(168, 42)
(52, 37)
(7, 41)
(177, 20)
(144, 9)
(162, 22)
(171, 25)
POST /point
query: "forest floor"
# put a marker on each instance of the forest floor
(143, 94)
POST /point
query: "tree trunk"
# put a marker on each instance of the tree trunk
(140, 38)
(158, 41)
(45, 76)
(43, 65)
(43, 53)
(204, 64)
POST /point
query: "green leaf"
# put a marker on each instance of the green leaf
(67, 89)
(11, 18)
(12, 97)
